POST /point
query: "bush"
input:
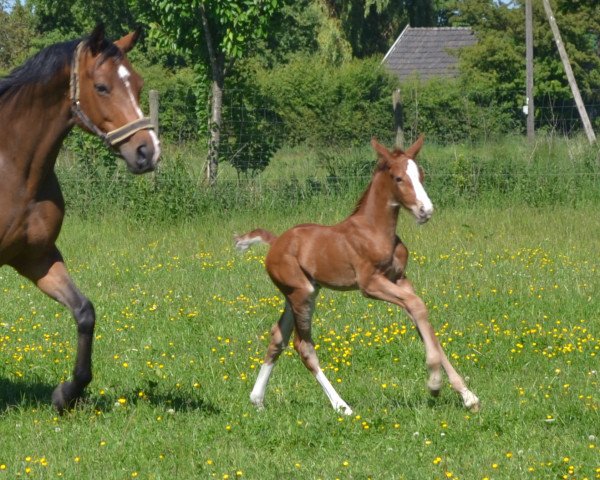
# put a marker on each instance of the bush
(441, 108)
(321, 104)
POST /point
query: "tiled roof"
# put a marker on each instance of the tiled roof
(425, 51)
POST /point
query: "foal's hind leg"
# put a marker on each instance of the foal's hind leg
(303, 307)
(280, 336)
(50, 275)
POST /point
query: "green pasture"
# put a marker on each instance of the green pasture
(508, 267)
(183, 323)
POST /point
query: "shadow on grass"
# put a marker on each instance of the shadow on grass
(27, 394)
(23, 394)
(168, 401)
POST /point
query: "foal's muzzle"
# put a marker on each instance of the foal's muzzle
(422, 213)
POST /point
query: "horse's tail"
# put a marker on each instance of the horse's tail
(260, 235)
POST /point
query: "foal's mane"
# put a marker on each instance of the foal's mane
(379, 167)
(44, 65)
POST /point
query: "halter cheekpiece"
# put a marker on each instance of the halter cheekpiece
(113, 137)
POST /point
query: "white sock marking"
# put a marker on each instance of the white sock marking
(258, 392)
(336, 401)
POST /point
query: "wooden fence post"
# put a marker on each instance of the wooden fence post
(587, 125)
(529, 69)
(398, 118)
(153, 97)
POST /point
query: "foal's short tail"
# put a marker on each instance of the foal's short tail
(243, 242)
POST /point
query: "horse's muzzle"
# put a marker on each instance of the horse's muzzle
(141, 156)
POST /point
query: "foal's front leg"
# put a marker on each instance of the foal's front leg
(50, 275)
(402, 294)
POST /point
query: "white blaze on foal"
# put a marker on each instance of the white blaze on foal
(424, 207)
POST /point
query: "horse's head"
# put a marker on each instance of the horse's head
(405, 178)
(105, 92)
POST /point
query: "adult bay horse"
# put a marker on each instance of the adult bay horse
(89, 83)
(363, 252)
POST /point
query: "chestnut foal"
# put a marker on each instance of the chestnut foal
(363, 252)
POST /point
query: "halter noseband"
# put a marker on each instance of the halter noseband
(113, 137)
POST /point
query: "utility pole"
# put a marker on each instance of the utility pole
(529, 61)
(569, 71)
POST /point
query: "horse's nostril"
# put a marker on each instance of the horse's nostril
(142, 154)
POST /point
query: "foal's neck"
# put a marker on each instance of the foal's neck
(378, 207)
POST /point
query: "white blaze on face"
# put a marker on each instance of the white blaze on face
(424, 207)
(124, 75)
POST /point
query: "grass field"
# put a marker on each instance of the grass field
(183, 323)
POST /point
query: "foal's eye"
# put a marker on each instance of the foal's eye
(398, 179)
(101, 88)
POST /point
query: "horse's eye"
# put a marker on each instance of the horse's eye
(101, 89)
(398, 179)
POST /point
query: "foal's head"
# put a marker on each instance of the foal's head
(405, 178)
(105, 92)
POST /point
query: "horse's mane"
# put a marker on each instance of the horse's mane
(44, 65)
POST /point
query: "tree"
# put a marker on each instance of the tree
(16, 31)
(69, 18)
(495, 66)
(213, 34)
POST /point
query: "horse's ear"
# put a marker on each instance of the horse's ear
(127, 42)
(96, 39)
(414, 149)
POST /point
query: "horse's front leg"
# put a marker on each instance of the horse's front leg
(50, 275)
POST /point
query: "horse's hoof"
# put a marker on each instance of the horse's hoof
(64, 397)
(58, 400)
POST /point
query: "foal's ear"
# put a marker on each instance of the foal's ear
(414, 149)
(382, 152)
(127, 42)
(96, 39)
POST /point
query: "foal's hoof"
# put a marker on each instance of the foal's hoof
(343, 409)
(64, 396)
(471, 401)
(257, 402)
(435, 392)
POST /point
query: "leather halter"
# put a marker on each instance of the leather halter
(113, 137)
